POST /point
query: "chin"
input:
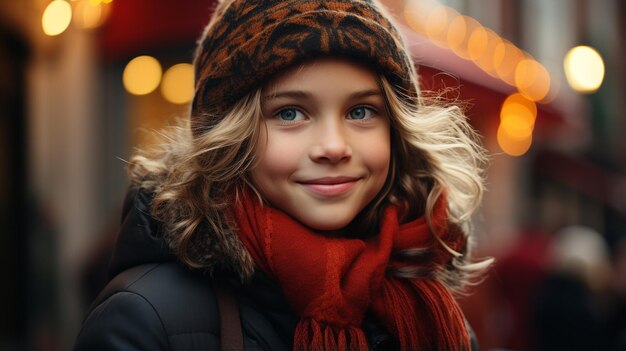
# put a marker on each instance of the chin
(326, 226)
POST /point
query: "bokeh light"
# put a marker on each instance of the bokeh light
(508, 56)
(56, 17)
(514, 145)
(490, 60)
(494, 55)
(516, 126)
(142, 75)
(532, 79)
(177, 86)
(517, 121)
(437, 22)
(469, 25)
(457, 30)
(416, 13)
(87, 15)
(584, 69)
(520, 110)
(477, 44)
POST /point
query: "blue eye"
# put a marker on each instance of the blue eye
(360, 112)
(289, 114)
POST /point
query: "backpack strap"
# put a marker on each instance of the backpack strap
(231, 336)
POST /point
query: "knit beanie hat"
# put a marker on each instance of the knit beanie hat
(248, 41)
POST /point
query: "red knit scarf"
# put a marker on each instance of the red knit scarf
(332, 282)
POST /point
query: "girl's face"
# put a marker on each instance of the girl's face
(326, 151)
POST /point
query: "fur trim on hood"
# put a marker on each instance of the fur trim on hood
(141, 240)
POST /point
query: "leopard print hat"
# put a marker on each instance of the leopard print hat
(248, 41)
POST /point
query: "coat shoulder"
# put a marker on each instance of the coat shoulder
(161, 306)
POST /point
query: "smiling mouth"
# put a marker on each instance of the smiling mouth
(330, 186)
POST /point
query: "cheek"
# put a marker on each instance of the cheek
(381, 164)
(380, 158)
(278, 156)
(377, 154)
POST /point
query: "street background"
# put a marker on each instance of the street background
(83, 82)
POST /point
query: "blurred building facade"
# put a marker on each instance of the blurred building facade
(67, 125)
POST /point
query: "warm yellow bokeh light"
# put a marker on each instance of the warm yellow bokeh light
(454, 29)
(517, 116)
(142, 75)
(56, 17)
(584, 69)
(457, 30)
(555, 87)
(532, 79)
(490, 59)
(477, 43)
(520, 110)
(516, 126)
(470, 25)
(415, 15)
(468, 39)
(513, 145)
(437, 23)
(88, 16)
(508, 56)
(517, 121)
(177, 86)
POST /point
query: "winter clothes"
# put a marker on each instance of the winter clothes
(332, 281)
(156, 303)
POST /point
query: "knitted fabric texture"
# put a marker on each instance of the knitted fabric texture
(331, 282)
(249, 41)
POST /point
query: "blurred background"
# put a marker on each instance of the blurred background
(83, 82)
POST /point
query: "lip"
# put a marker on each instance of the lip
(330, 186)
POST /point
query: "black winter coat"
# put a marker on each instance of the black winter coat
(155, 303)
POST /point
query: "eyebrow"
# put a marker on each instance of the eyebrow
(301, 94)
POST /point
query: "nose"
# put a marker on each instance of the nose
(331, 143)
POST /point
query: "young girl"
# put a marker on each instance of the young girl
(312, 182)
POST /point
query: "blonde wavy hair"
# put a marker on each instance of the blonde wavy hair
(196, 178)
